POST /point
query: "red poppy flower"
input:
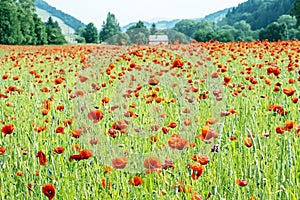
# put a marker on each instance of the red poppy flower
(197, 170)
(76, 133)
(49, 191)
(196, 196)
(227, 79)
(42, 158)
(2, 150)
(289, 91)
(241, 183)
(280, 129)
(202, 159)
(95, 115)
(153, 81)
(136, 181)
(60, 130)
(59, 150)
(172, 124)
(60, 107)
(207, 133)
(289, 125)
(119, 163)
(84, 154)
(176, 142)
(8, 129)
(177, 63)
(152, 163)
(248, 142)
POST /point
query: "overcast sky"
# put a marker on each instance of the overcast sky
(127, 11)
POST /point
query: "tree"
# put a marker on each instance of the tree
(40, 31)
(153, 29)
(119, 39)
(54, 34)
(204, 35)
(90, 33)
(175, 36)
(273, 32)
(109, 28)
(26, 11)
(10, 31)
(138, 33)
(296, 11)
(186, 26)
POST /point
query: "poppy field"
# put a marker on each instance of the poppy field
(195, 121)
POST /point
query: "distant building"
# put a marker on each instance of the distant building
(158, 39)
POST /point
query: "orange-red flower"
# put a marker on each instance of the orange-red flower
(95, 115)
(153, 81)
(8, 129)
(248, 142)
(207, 133)
(49, 190)
(176, 142)
(177, 63)
(119, 163)
(60, 130)
(136, 181)
(58, 150)
(84, 154)
(280, 129)
(2, 150)
(42, 158)
(289, 91)
(196, 196)
(197, 170)
(76, 133)
(202, 159)
(241, 182)
(152, 163)
(289, 125)
(172, 124)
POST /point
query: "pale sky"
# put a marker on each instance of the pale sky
(127, 11)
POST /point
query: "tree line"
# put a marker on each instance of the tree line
(252, 20)
(19, 24)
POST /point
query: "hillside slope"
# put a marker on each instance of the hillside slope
(258, 13)
(67, 22)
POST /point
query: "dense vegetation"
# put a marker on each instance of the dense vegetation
(258, 13)
(253, 20)
(19, 24)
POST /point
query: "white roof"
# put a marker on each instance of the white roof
(158, 38)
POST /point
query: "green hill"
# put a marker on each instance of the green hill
(258, 13)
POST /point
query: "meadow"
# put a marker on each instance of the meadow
(196, 121)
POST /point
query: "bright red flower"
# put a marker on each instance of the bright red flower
(59, 150)
(84, 154)
(136, 181)
(289, 91)
(42, 158)
(8, 129)
(248, 142)
(241, 183)
(2, 150)
(49, 191)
